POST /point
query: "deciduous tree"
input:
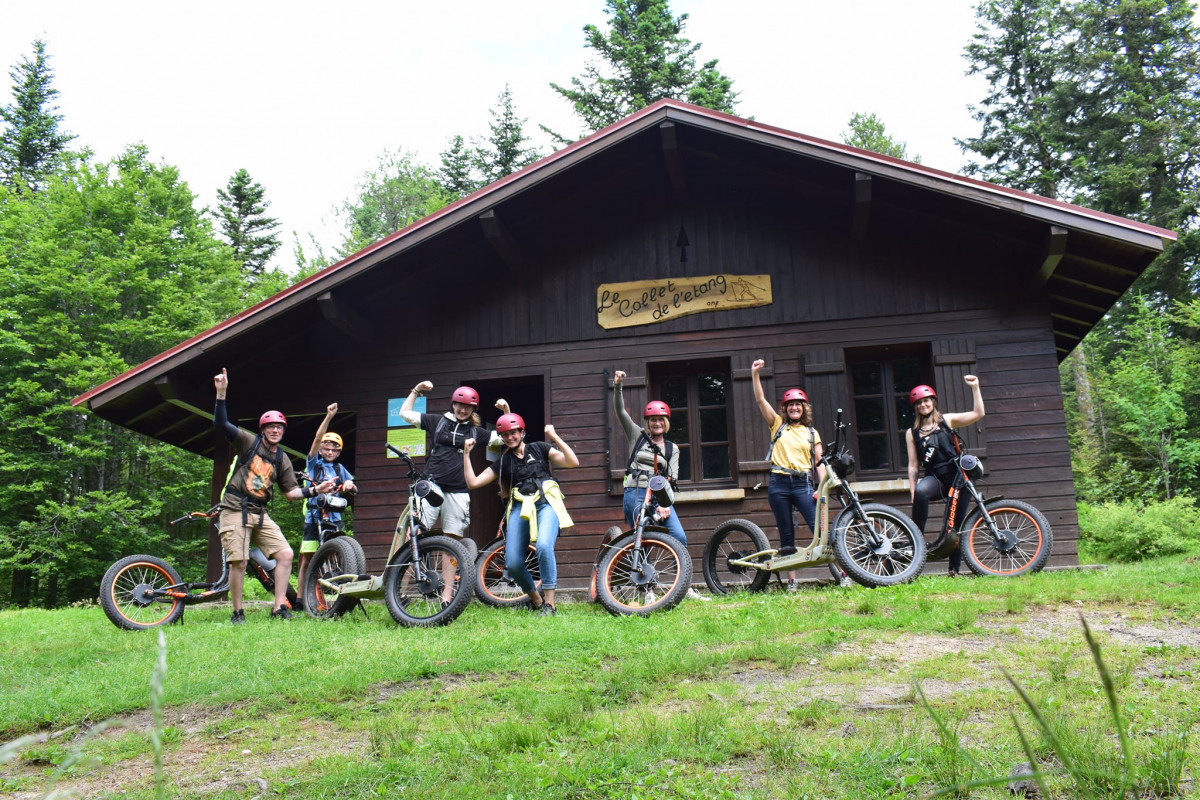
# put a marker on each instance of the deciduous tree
(868, 132)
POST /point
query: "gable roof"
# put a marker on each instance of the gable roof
(1089, 258)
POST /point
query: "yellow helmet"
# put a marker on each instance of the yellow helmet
(332, 437)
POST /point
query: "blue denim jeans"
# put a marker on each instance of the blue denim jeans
(633, 499)
(516, 543)
(785, 492)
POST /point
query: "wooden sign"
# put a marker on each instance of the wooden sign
(620, 305)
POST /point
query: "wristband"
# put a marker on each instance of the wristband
(311, 491)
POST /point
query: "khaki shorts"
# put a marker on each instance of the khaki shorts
(455, 512)
(236, 538)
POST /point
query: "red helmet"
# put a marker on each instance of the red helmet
(657, 408)
(272, 416)
(465, 395)
(920, 393)
(794, 394)
(510, 422)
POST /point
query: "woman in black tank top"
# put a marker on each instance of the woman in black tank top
(931, 443)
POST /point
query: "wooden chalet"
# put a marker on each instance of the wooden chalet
(678, 245)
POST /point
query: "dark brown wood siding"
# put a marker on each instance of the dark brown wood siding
(463, 316)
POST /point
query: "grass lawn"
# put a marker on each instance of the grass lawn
(813, 694)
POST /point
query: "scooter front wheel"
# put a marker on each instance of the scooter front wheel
(636, 581)
(414, 591)
(879, 547)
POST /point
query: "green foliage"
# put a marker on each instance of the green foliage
(868, 132)
(1131, 531)
(396, 193)
(676, 705)
(243, 217)
(643, 58)
(1133, 421)
(105, 267)
(32, 145)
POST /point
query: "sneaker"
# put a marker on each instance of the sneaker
(283, 612)
(547, 610)
(298, 605)
(787, 551)
(791, 585)
(239, 617)
(694, 595)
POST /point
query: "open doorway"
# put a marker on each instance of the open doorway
(526, 395)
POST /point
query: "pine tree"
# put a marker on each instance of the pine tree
(245, 224)
(32, 145)
(643, 58)
(456, 176)
(1018, 48)
(504, 152)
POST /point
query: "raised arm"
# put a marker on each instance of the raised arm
(330, 410)
(764, 406)
(561, 455)
(220, 414)
(630, 427)
(406, 411)
(965, 418)
(475, 481)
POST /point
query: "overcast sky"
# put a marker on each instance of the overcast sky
(306, 95)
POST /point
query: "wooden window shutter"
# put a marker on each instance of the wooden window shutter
(823, 379)
(953, 359)
(634, 390)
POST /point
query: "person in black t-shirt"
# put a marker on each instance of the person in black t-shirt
(536, 506)
(931, 444)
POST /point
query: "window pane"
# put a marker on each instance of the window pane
(872, 452)
(868, 413)
(714, 425)
(712, 389)
(685, 463)
(674, 393)
(906, 373)
(903, 449)
(680, 429)
(716, 461)
(867, 378)
(904, 413)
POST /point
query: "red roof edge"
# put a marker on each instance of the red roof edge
(585, 142)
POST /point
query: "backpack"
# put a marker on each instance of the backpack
(812, 451)
(260, 473)
(664, 463)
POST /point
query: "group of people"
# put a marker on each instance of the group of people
(536, 511)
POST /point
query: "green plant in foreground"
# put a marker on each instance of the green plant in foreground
(1087, 766)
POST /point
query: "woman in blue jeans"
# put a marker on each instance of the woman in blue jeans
(536, 506)
(795, 449)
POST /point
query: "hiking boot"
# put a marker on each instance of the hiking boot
(283, 612)
(694, 595)
(239, 617)
(547, 610)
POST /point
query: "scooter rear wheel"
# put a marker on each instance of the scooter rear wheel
(323, 598)
(127, 593)
(733, 540)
